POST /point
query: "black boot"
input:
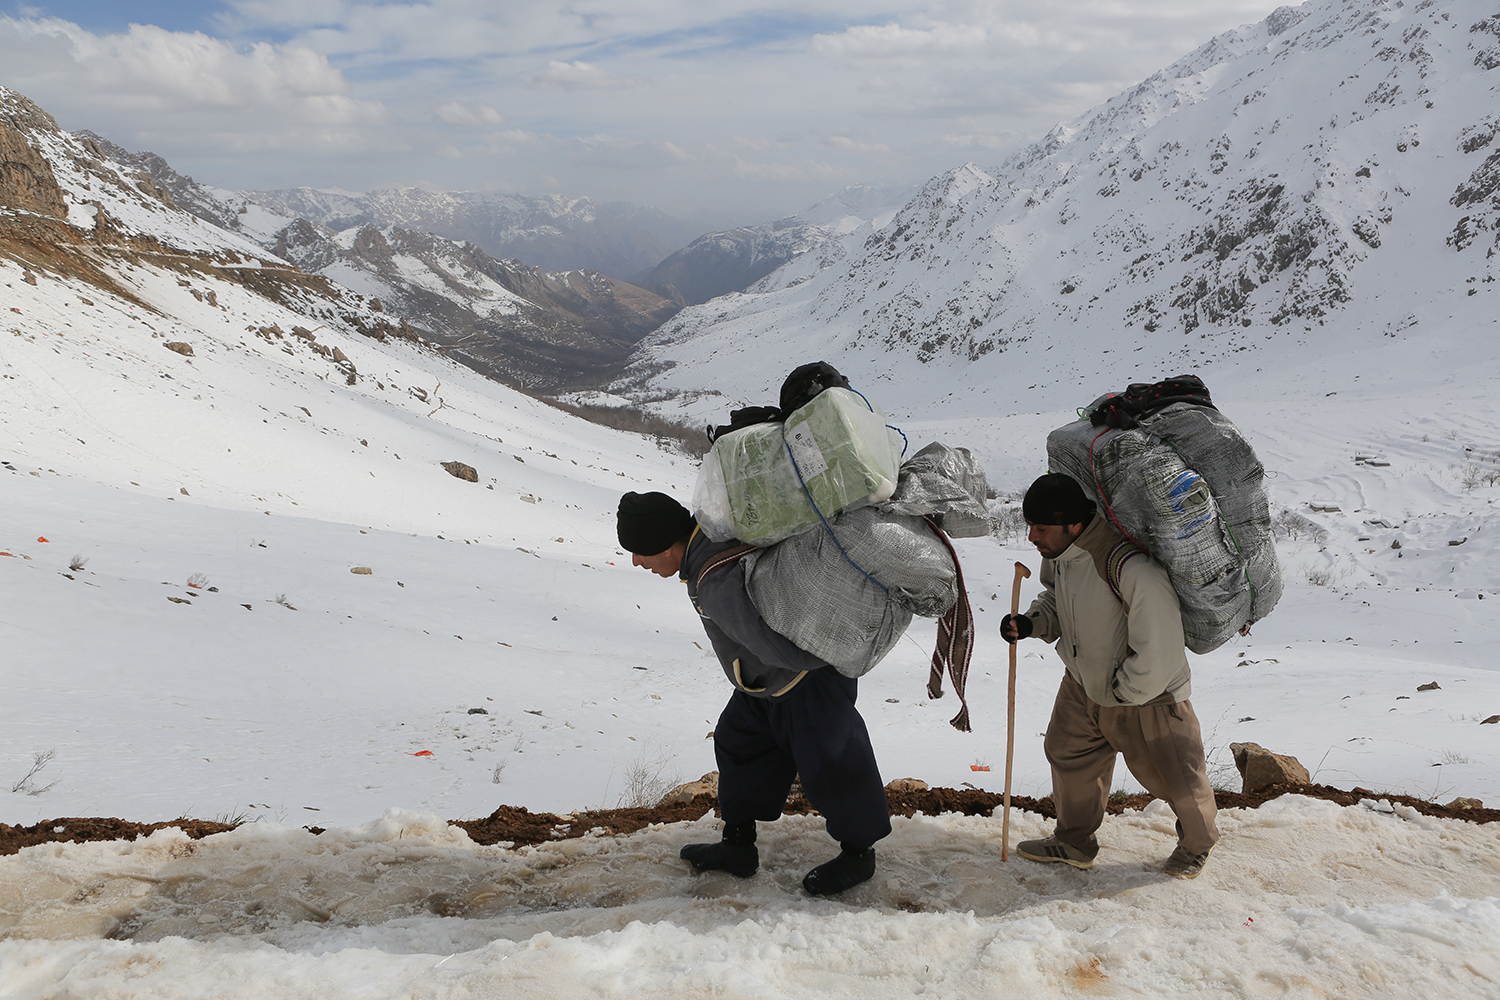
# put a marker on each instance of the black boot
(854, 865)
(735, 854)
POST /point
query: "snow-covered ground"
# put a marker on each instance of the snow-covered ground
(289, 690)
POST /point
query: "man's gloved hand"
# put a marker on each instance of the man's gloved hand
(1014, 628)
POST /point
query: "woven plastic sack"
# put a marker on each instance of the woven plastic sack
(751, 485)
(1186, 486)
(806, 589)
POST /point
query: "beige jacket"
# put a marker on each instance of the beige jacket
(1125, 651)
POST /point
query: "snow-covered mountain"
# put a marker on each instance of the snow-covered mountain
(737, 259)
(529, 327)
(552, 232)
(1323, 180)
(541, 330)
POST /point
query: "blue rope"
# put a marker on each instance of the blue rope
(905, 442)
(803, 483)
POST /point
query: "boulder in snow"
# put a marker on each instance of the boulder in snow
(1260, 768)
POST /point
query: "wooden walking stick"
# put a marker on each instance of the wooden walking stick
(1010, 715)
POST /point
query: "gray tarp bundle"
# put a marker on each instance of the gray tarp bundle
(808, 591)
(1186, 486)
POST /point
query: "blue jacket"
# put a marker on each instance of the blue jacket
(756, 658)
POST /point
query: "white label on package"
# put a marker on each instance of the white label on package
(805, 451)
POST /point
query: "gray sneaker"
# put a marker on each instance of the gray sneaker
(1184, 864)
(1055, 850)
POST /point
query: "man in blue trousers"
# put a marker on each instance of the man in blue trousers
(791, 714)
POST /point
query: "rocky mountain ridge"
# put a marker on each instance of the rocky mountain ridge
(522, 324)
(68, 213)
(544, 331)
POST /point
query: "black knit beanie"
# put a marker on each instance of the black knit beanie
(806, 381)
(651, 523)
(1056, 499)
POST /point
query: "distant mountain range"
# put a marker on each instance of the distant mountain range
(531, 291)
(1323, 179)
(551, 232)
(517, 322)
(734, 260)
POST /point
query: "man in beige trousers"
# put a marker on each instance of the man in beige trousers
(1114, 616)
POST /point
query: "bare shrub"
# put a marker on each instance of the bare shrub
(1009, 522)
(77, 564)
(197, 581)
(27, 784)
(281, 600)
(647, 779)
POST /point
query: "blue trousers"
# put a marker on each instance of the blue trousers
(813, 731)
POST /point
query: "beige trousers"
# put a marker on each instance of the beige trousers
(1163, 748)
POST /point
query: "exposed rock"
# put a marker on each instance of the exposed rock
(1492, 720)
(907, 785)
(1465, 804)
(26, 179)
(1260, 768)
(1429, 686)
(685, 793)
(459, 470)
(186, 350)
(361, 571)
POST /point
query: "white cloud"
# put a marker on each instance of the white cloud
(572, 76)
(150, 71)
(470, 115)
(732, 105)
(885, 41)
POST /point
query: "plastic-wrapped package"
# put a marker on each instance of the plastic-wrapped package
(751, 485)
(1185, 485)
(949, 486)
(806, 589)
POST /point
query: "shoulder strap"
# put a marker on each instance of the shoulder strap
(1113, 564)
(723, 559)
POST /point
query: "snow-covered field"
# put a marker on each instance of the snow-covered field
(291, 691)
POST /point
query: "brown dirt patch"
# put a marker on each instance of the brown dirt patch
(520, 826)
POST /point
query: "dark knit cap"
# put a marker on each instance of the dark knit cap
(806, 381)
(1056, 499)
(651, 523)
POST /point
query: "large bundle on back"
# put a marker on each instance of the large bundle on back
(847, 594)
(1178, 478)
(853, 543)
(770, 480)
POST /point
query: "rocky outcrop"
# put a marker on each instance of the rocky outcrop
(26, 180)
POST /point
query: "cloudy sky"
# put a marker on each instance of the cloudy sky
(733, 111)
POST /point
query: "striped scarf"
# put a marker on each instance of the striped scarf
(955, 643)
